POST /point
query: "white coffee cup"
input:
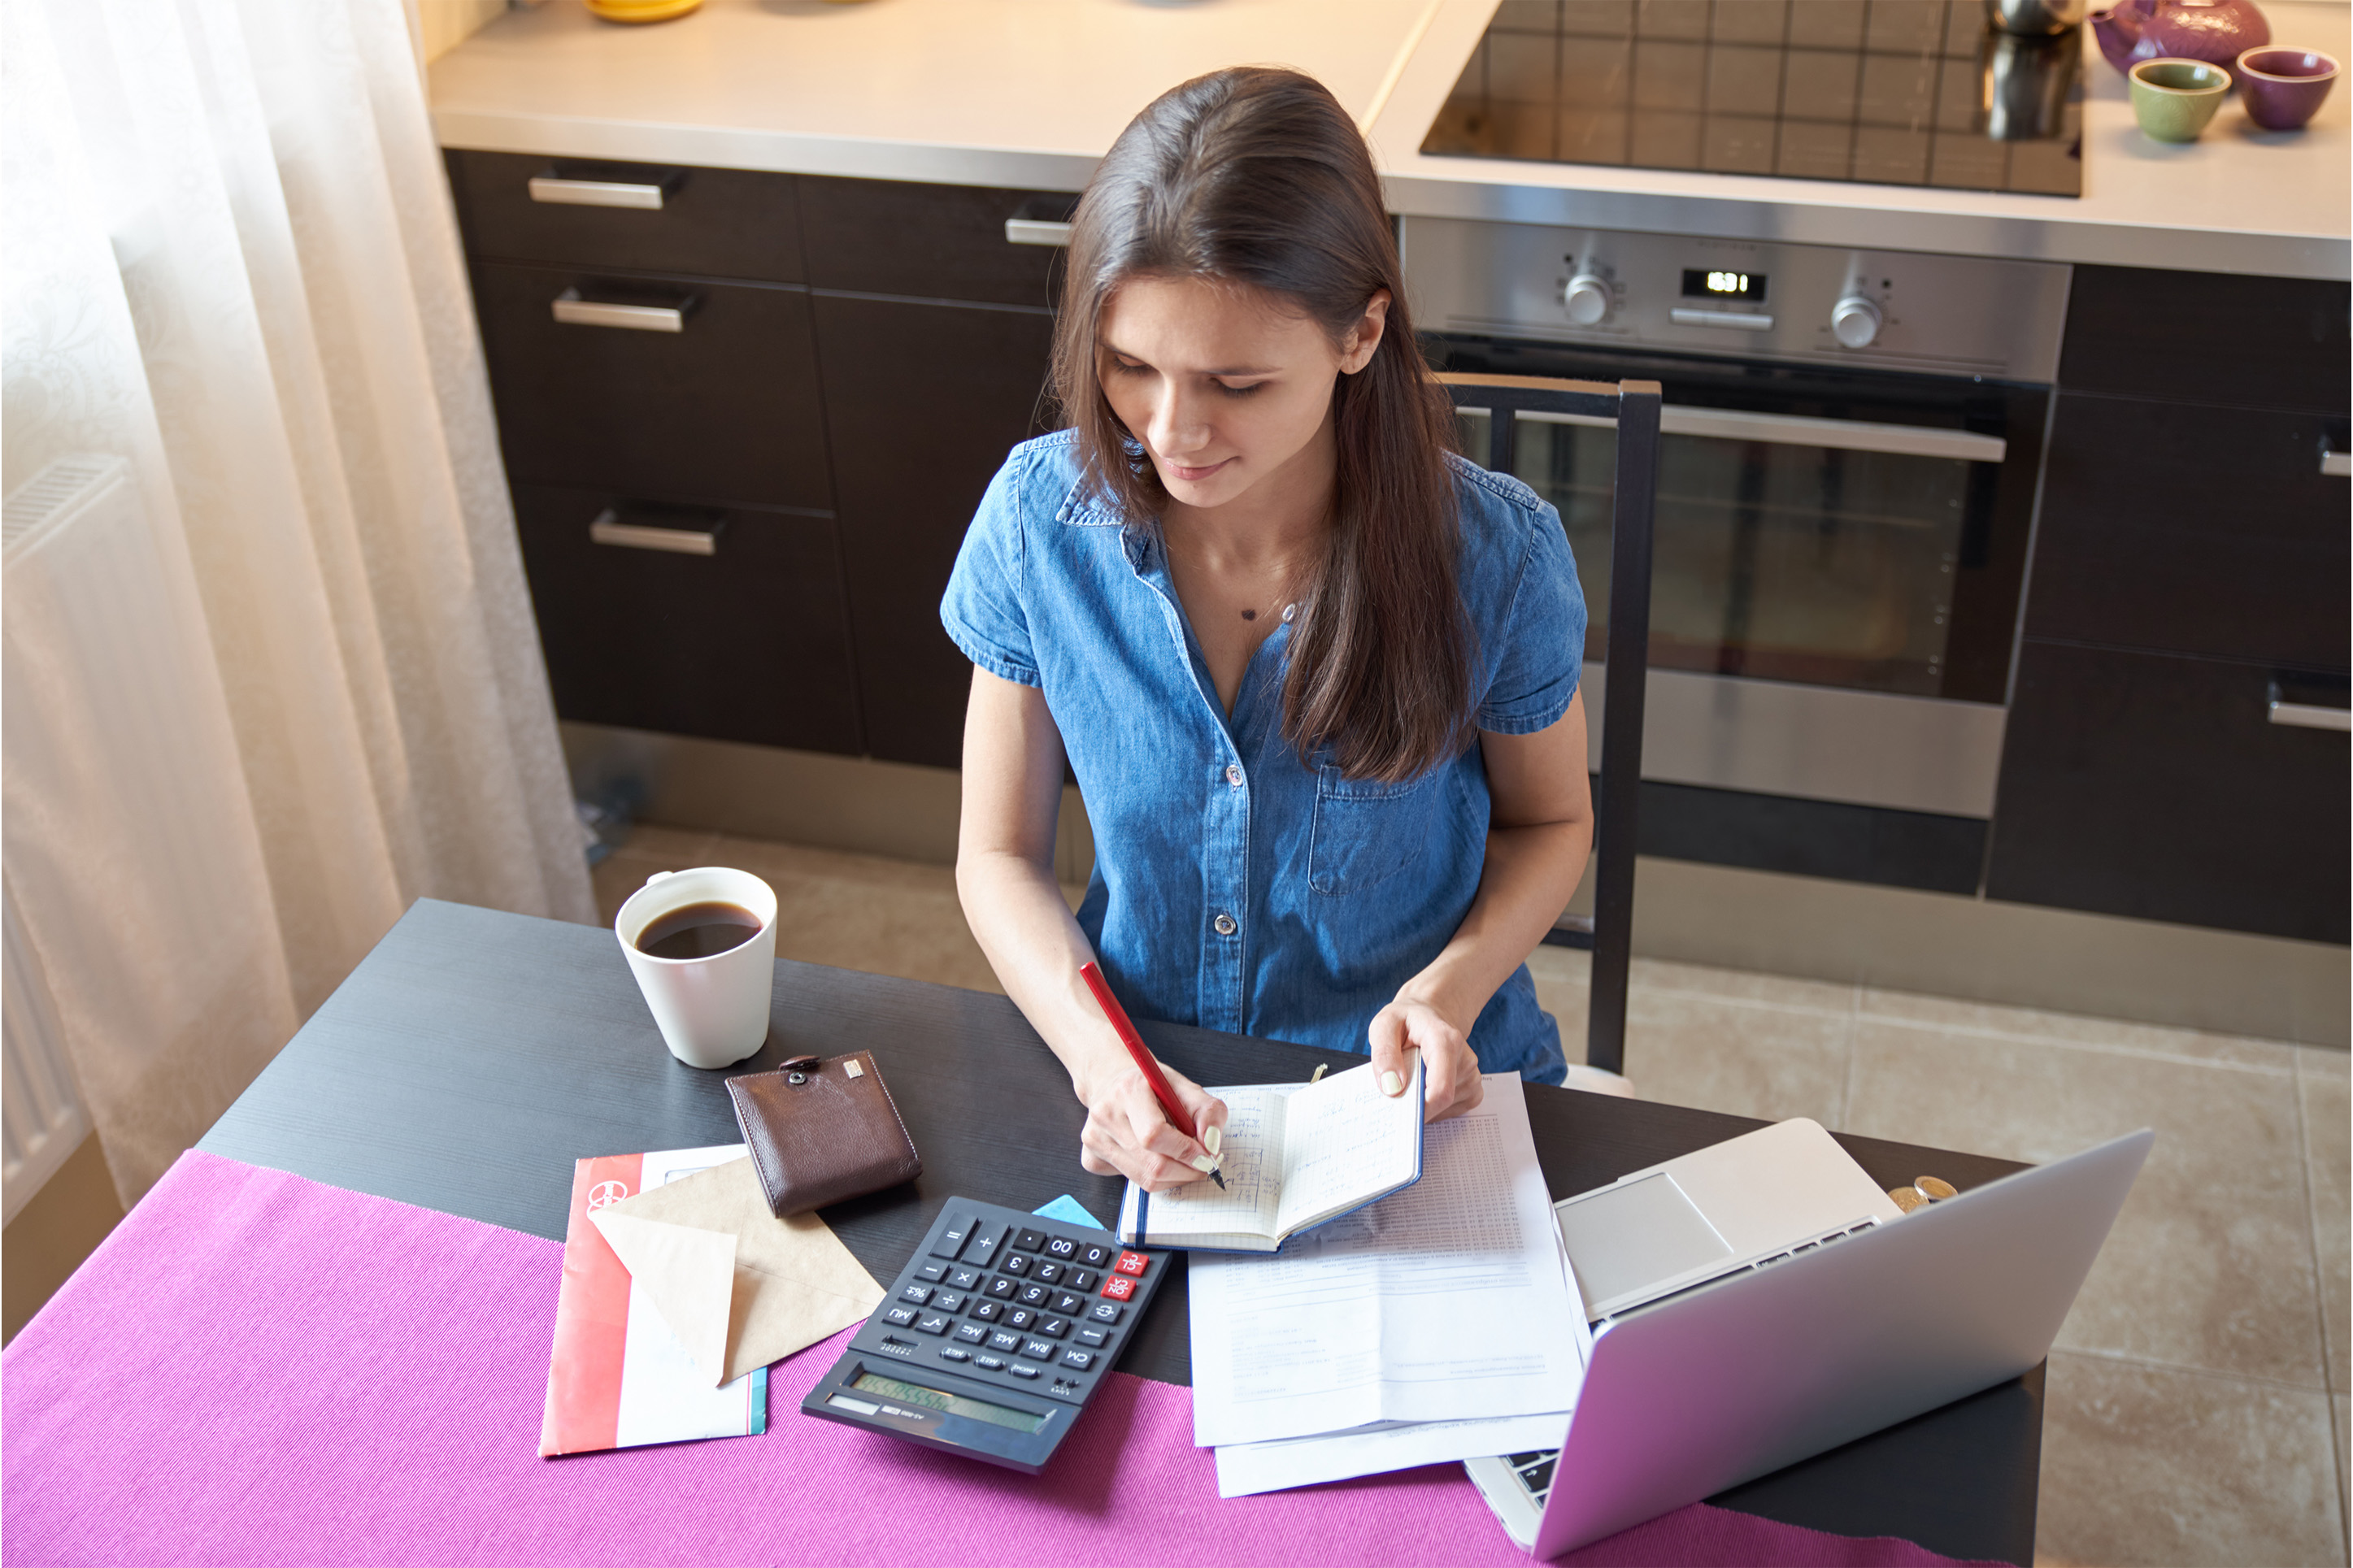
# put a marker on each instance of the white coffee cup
(712, 1011)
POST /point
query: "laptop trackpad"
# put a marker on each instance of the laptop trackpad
(1624, 1239)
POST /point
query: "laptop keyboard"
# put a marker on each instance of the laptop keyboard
(1534, 1472)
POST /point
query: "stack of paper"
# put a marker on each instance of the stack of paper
(1440, 1323)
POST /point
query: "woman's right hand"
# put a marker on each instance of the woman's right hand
(1128, 1134)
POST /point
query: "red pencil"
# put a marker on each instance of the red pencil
(1170, 1105)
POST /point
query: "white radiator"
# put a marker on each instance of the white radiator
(39, 1104)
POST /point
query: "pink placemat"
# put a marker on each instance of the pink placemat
(257, 1369)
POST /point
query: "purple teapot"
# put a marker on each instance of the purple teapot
(2217, 31)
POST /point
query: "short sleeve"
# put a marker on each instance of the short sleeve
(1539, 651)
(985, 610)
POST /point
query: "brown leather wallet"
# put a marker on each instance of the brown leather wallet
(822, 1130)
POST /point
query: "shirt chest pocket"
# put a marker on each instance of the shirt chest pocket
(1365, 831)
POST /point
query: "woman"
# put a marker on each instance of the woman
(1316, 676)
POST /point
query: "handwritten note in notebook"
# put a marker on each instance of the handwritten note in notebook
(1296, 1156)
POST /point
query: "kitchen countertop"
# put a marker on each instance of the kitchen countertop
(1028, 93)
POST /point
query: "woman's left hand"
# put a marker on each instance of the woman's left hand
(1405, 1026)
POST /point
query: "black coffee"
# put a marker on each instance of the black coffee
(699, 931)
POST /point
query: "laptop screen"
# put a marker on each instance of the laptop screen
(1624, 1239)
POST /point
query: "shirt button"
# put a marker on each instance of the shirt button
(1224, 925)
(1234, 775)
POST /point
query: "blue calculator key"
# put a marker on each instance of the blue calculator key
(963, 1279)
(1053, 1328)
(1030, 1240)
(989, 1363)
(1078, 1359)
(1096, 1256)
(949, 1301)
(1105, 1311)
(1038, 1349)
(1018, 1370)
(900, 1316)
(986, 1237)
(1047, 1272)
(1070, 1304)
(933, 1323)
(1082, 1280)
(1093, 1338)
(949, 1352)
(1014, 1263)
(920, 1295)
(999, 1339)
(1033, 1295)
(1019, 1317)
(973, 1333)
(986, 1311)
(953, 1235)
(932, 1273)
(1001, 1288)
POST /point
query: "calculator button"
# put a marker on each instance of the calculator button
(1001, 1288)
(989, 1363)
(1014, 1263)
(900, 1316)
(1047, 1272)
(972, 1333)
(1079, 1359)
(933, 1323)
(1131, 1263)
(986, 1238)
(1018, 1370)
(964, 1278)
(932, 1273)
(1093, 1338)
(954, 1233)
(1019, 1317)
(949, 1352)
(1053, 1328)
(1030, 1240)
(1095, 1257)
(1070, 1304)
(999, 1339)
(1119, 1288)
(986, 1311)
(1038, 1349)
(1083, 1279)
(1061, 1246)
(919, 1295)
(1035, 1296)
(1103, 1312)
(949, 1301)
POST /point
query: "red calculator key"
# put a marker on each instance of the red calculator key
(1131, 1263)
(1119, 1288)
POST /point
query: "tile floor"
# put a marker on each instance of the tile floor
(2198, 1396)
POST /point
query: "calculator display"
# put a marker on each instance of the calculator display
(950, 1403)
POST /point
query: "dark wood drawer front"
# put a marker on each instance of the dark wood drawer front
(747, 643)
(939, 242)
(713, 223)
(2205, 337)
(2193, 530)
(724, 411)
(913, 454)
(2157, 787)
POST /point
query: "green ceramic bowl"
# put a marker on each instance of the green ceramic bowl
(2173, 99)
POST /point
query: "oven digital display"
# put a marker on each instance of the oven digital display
(1702, 283)
(948, 1403)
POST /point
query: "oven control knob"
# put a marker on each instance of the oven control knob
(1854, 321)
(1588, 299)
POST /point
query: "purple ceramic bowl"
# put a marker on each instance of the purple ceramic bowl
(2283, 88)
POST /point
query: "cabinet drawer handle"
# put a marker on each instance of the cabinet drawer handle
(2309, 715)
(608, 529)
(573, 311)
(1036, 231)
(595, 193)
(2335, 465)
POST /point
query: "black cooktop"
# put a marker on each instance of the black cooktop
(1898, 92)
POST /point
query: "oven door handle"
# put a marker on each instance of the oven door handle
(1801, 430)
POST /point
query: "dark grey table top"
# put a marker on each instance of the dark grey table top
(473, 1055)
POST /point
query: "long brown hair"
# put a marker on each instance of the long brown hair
(1257, 176)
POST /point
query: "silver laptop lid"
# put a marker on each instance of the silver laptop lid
(1743, 1378)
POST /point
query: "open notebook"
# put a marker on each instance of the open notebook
(1295, 1155)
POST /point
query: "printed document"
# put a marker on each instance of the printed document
(1450, 1300)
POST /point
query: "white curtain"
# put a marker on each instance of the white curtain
(229, 258)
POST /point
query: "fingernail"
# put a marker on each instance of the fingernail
(1203, 1163)
(1214, 1139)
(1392, 1084)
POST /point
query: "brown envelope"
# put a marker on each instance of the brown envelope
(795, 1283)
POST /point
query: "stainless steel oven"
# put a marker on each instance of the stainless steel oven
(1849, 465)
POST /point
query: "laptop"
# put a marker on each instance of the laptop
(1710, 1387)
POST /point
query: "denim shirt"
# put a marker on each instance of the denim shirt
(1236, 885)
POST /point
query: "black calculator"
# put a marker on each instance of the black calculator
(993, 1337)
